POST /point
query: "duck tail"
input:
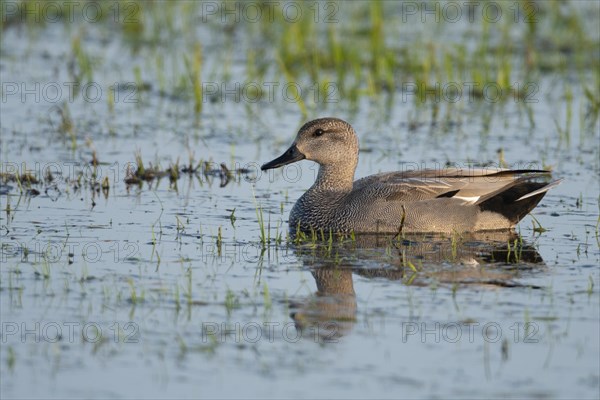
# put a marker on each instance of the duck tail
(518, 200)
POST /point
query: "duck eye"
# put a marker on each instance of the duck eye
(319, 132)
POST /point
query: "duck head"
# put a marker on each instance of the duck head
(327, 141)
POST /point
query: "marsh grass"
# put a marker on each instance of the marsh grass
(261, 222)
(67, 126)
(24, 181)
(564, 133)
(268, 302)
(11, 358)
(590, 286)
(514, 251)
(80, 68)
(366, 55)
(231, 301)
(204, 171)
(219, 241)
(43, 270)
(537, 226)
(193, 67)
(406, 262)
(189, 286)
(133, 294)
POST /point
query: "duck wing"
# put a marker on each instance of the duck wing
(472, 185)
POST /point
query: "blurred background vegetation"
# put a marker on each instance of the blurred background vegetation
(343, 52)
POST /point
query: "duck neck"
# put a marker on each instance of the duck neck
(334, 177)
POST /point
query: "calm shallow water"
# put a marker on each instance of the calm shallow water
(155, 292)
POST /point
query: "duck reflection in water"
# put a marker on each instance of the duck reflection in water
(488, 260)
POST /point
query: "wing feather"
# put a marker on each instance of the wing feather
(472, 185)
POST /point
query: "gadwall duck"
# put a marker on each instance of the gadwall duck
(446, 200)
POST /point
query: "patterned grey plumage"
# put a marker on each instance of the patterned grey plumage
(448, 200)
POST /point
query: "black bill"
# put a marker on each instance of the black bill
(291, 155)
